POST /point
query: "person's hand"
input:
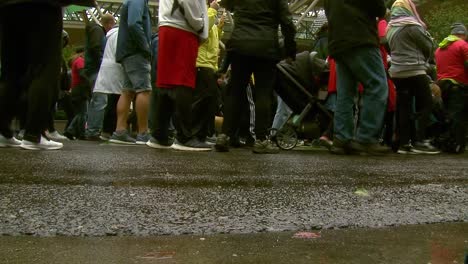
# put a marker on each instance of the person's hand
(221, 21)
(214, 5)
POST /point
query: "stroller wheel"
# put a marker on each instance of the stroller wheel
(286, 137)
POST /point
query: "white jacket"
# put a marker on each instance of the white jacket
(110, 78)
(195, 19)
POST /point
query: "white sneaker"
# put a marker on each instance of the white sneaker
(55, 136)
(45, 144)
(9, 142)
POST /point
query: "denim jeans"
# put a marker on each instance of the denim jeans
(283, 112)
(96, 110)
(361, 65)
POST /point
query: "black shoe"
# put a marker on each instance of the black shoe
(92, 138)
(425, 147)
(222, 143)
(340, 147)
(69, 135)
(406, 149)
(265, 147)
(368, 148)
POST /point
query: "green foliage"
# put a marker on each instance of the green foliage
(440, 14)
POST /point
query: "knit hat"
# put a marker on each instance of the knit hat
(458, 29)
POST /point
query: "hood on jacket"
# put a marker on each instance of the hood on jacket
(448, 41)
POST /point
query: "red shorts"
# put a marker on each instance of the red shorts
(177, 56)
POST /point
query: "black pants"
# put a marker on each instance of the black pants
(264, 71)
(173, 102)
(31, 59)
(205, 102)
(413, 91)
(456, 107)
(109, 123)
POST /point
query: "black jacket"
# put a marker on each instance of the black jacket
(352, 24)
(256, 28)
(94, 49)
(51, 2)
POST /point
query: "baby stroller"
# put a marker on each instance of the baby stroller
(298, 85)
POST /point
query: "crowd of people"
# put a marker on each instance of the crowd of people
(389, 86)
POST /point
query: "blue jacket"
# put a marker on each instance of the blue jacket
(134, 30)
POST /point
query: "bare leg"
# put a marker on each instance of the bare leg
(123, 107)
(142, 109)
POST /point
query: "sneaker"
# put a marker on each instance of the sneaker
(20, 134)
(325, 142)
(222, 143)
(9, 142)
(154, 143)
(69, 135)
(122, 137)
(368, 148)
(192, 145)
(92, 138)
(105, 136)
(406, 149)
(55, 135)
(340, 147)
(44, 144)
(425, 147)
(265, 147)
(142, 139)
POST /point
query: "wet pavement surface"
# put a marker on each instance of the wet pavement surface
(91, 189)
(435, 244)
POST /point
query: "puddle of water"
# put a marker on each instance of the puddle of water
(440, 243)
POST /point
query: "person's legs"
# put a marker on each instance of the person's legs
(204, 103)
(367, 67)
(123, 107)
(110, 114)
(423, 96)
(44, 65)
(457, 109)
(346, 92)
(183, 113)
(241, 71)
(142, 109)
(164, 109)
(404, 111)
(283, 112)
(264, 73)
(96, 111)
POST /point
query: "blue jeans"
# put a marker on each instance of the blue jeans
(361, 65)
(283, 112)
(96, 111)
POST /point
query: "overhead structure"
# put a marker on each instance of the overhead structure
(307, 14)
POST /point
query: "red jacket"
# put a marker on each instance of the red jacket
(451, 62)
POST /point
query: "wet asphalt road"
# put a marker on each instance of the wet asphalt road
(96, 190)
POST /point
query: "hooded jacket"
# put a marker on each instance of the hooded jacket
(410, 44)
(4, 3)
(256, 25)
(352, 24)
(452, 60)
(188, 15)
(134, 30)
